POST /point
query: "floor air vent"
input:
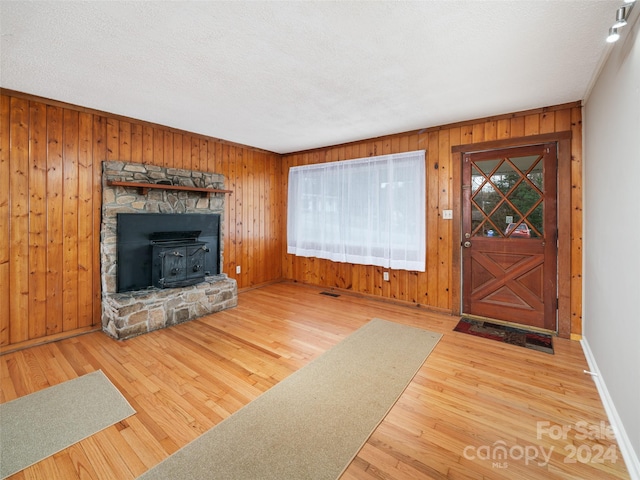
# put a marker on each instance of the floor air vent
(329, 294)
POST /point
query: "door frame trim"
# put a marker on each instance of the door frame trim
(563, 142)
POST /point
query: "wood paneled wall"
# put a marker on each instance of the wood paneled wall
(433, 288)
(50, 204)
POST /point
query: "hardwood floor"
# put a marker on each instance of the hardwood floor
(470, 398)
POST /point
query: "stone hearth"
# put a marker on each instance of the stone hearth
(125, 315)
(128, 314)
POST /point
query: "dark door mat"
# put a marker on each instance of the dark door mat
(541, 342)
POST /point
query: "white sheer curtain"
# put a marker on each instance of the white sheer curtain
(368, 211)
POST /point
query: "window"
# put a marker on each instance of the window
(369, 211)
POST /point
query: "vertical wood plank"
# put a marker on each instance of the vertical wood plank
(250, 233)
(37, 220)
(167, 150)
(124, 139)
(272, 253)
(211, 158)
(444, 226)
(453, 228)
(491, 130)
(203, 159)
(5, 252)
(222, 167)
(467, 134)
(158, 147)
(147, 145)
(195, 153)
(231, 239)
(279, 185)
(547, 122)
(236, 156)
(431, 294)
(258, 207)
(478, 132)
(136, 143)
(113, 139)
(456, 233)
(283, 174)
(517, 127)
(564, 241)
(186, 152)
(19, 221)
(261, 264)
(70, 220)
(55, 182)
(177, 150)
(86, 242)
(422, 278)
(576, 221)
(563, 120)
(532, 124)
(504, 129)
(99, 135)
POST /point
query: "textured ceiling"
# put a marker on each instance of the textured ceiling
(289, 76)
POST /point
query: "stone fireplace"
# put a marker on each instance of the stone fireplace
(131, 189)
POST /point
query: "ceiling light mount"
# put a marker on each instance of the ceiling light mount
(622, 15)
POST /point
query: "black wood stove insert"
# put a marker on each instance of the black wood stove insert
(177, 259)
(166, 250)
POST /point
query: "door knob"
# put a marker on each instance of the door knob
(466, 244)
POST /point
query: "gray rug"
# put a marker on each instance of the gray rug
(313, 423)
(38, 425)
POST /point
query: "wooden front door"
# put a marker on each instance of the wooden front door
(509, 229)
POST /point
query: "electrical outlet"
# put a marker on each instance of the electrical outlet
(238, 269)
(385, 276)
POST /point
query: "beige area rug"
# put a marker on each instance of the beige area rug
(38, 425)
(313, 423)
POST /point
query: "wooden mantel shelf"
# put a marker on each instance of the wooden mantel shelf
(144, 187)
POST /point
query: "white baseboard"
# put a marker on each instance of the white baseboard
(628, 453)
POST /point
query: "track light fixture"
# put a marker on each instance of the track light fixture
(613, 35)
(622, 14)
(621, 17)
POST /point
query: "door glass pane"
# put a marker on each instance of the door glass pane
(487, 166)
(505, 178)
(536, 176)
(535, 220)
(477, 179)
(504, 216)
(524, 163)
(504, 192)
(487, 198)
(477, 217)
(487, 229)
(524, 197)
